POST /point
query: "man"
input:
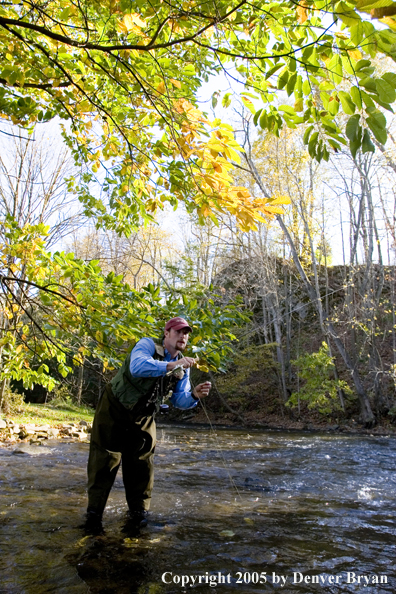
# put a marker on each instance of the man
(124, 426)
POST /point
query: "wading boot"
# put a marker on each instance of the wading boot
(135, 520)
(93, 523)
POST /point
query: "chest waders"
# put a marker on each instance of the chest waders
(124, 430)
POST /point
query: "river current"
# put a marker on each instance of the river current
(232, 511)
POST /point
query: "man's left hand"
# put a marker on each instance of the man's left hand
(202, 390)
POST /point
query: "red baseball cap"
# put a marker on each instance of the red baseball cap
(177, 324)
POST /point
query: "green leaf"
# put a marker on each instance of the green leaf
(377, 124)
(292, 64)
(272, 70)
(325, 99)
(362, 63)
(356, 97)
(333, 105)
(215, 97)
(347, 104)
(263, 120)
(248, 104)
(282, 79)
(306, 87)
(356, 34)
(369, 84)
(288, 109)
(386, 92)
(189, 70)
(307, 133)
(336, 146)
(291, 84)
(256, 116)
(226, 102)
(335, 69)
(367, 100)
(354, 146)
(312, 144)
(390, 78)
(384, 105)
(352, 127)
(367, 145)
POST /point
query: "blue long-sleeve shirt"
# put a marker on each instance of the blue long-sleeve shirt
(143, 364)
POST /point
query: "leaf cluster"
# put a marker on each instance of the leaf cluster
(320, 391)
(126, 77)
(58, 307)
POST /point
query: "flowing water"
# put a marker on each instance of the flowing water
(239, 512)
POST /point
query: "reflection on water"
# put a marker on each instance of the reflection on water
(238, 508)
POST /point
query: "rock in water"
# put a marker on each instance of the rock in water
(31, 450)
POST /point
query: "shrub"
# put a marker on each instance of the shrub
(319, 390)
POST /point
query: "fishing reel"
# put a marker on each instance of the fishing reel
(177, 372)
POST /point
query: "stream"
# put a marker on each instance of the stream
(232, 511)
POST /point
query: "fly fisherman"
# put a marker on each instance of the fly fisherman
(124, 425)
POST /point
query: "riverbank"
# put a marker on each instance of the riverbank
(34, 423)
(261, 421)
(39, 422)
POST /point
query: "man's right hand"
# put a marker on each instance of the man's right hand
(185, 362)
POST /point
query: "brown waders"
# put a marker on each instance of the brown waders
(120, 435)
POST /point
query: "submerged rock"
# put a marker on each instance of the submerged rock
(30, 450)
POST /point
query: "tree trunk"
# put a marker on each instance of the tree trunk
(80, 383)
(366, 413)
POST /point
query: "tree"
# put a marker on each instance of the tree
(33, 186)
(126, 75)
(138, 258)
(65, 310)
(32, 193)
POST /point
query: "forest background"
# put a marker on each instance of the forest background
(281, 250)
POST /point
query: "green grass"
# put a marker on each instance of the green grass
(47, 414)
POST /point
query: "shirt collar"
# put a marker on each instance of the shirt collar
(168, 353)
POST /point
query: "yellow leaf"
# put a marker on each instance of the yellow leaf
(132, 21)
(355, 54)
(161, 88)
(391, 23)
(273, 209)
(281, 200)
(202, 367)
(299, 104)
(302, 13)
(176, 83)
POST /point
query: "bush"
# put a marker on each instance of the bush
(319, 390)
(60, 396)
(13, 402)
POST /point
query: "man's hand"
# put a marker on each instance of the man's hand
(202, 390)
(185, 362)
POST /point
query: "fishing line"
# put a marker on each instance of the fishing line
(217, 444)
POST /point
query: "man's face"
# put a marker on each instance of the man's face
(177, 339)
